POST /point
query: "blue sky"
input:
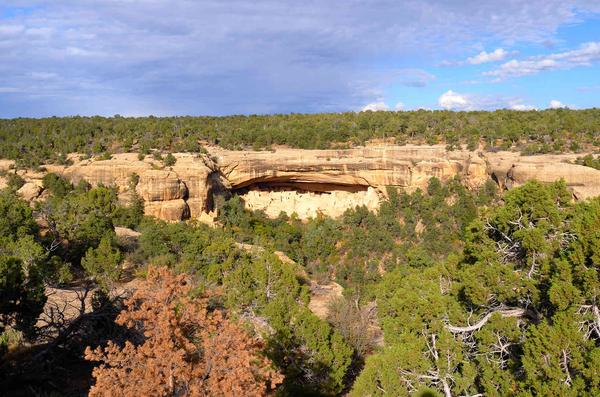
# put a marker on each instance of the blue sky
(128, 57)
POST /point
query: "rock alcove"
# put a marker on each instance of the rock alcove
(305, 198)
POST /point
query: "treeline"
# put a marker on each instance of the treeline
(34, 141)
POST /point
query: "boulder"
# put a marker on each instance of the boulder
(30, 191)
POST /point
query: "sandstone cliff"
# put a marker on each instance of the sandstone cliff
(511, 170)
(170, 193)
(308, 182)
(407, 166)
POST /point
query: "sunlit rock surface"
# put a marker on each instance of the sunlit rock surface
(305, 182)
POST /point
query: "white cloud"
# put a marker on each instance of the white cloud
(76, 51)
(519, 105)
(9, 90)
(586, 55)
(484, 57)
(445, 63)
(375, 106)
(454, 101)
(39, 33)
(11, 30)
(399, 106)
(522, 107)
(414, 77)
(516, 68)
(556, 104)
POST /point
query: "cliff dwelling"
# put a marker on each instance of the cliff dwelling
(306, 199)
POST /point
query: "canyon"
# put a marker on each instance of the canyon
(304, 182)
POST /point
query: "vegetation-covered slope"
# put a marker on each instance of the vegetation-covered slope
(515, 313)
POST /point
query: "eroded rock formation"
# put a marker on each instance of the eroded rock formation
(511, 170)
(170, 193)
(308, 182)
(408, 167)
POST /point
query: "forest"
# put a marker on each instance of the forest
(33, 142)
(476, 292)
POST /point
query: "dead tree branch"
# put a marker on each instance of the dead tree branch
(517, 312)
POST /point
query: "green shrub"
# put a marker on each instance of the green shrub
(56, 184)
(103, 262)
(170, 160)
(14, 181)
(22, 296)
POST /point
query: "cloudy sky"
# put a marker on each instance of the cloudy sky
(176, 57)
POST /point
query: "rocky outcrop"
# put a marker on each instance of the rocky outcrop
(511, 170)
(170, 193)
(308, 182)
(161, 185)
(406, 167)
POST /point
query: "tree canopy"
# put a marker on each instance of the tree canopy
(515, 314)
(35, 141)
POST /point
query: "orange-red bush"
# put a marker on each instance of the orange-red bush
(187, 349)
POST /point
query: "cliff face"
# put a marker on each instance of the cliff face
(511, 170)
(377, 166)
(309, 182)
(174, 193)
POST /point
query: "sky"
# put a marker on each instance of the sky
(183, 57)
